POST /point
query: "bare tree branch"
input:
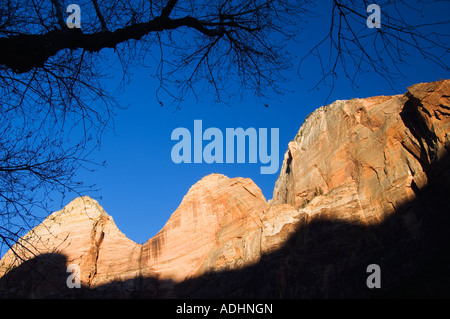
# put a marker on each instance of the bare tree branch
(58, 13)
(168, 8)
(352, 49)
(100, 15)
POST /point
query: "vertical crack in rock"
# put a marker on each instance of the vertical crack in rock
(97, 237)
(288, 163)
(425, 138)
(139, 286)
(157, 244)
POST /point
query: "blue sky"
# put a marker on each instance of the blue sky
(140, 187)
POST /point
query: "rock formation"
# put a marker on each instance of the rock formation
(364, 182)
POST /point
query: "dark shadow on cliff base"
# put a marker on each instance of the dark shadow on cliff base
(326, 259)
(322, 259)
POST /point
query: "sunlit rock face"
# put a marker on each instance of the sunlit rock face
(216, 226)
(83, 234)
(370, 152)
(365, 181)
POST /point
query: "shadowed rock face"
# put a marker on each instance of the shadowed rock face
(364, 181)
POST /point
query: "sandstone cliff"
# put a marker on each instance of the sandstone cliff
(364, 181)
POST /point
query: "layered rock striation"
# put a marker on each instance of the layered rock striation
(365, 181)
